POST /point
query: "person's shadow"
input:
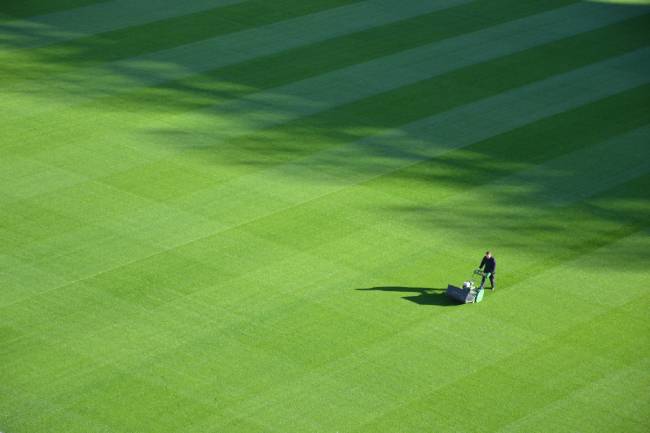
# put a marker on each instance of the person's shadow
(425, 296)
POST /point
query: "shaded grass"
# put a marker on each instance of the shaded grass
(353, 121)
(26, 8)
(523, 147)
(159, 35)
(129, 304)
(319, 58)
(172, 32)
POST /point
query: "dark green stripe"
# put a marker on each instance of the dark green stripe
(27, 8)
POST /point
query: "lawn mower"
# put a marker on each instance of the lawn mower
(472, 290)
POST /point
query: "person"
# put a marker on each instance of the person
(489, 267)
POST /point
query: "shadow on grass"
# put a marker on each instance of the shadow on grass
(425, 296)
(297, 139)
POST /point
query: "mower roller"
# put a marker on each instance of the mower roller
(471, 292)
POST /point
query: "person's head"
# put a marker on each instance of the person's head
(488, 254)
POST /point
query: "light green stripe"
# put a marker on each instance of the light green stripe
(102, 17)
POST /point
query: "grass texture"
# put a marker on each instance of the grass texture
(241, 215)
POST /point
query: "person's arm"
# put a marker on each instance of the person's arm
(482, 263)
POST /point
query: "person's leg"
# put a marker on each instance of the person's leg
(482, 282)
(493, 285)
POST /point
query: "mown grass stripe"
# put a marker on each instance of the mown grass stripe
(326, 56)
(601, 402)
(601, 167)
(162, 355)
(261, 194)
(282, 104)
(26, 8)
(512, 217)
(240, 330)
(101, 17)
(540, 198)
(468, 178)
(137, 40)
(500, 75)
(200, 228)
(567, 360)
(182, 30)
(520, 228)
(486, 320)
(349, 369)
(429, 137)
(349, 84)
(158, 67)
(192, 95)
(505, 154)
(464, 179)
(319, 93)
(420, 140)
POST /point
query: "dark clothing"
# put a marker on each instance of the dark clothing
(492, 283)
(490, 264)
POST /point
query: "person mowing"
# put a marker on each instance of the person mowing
(489, 267)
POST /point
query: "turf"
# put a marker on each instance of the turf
(238, 216)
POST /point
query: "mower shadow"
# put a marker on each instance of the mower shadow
(425, 296)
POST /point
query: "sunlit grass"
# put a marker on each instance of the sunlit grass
(182, 248)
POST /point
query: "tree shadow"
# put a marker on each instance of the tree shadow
(294, 142)
(425, 296)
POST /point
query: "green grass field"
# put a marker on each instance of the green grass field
(240, 215)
